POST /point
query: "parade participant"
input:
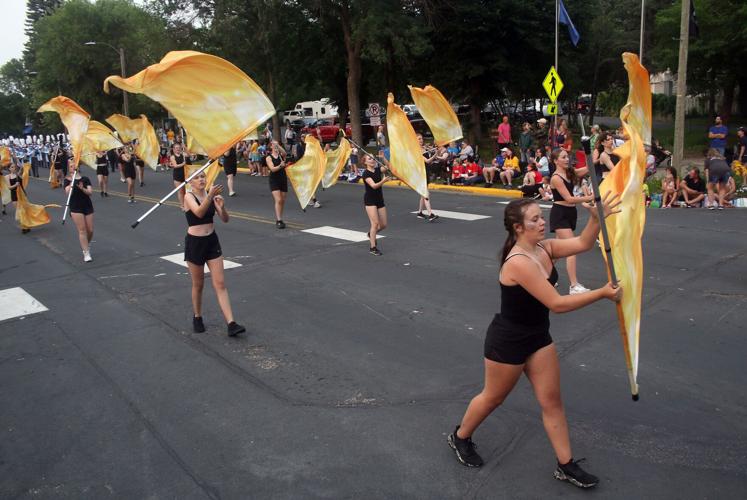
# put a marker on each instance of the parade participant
(563, 214)
(127, 167)
(518, 339)
(201, 247)
(60, 165)
(373, 200)
(139, 168)
(13, 182)
(230, 163)
(424, 203)
(177, 161)
(603, 158)
(275, 162)
(102, 172)
(81, 209)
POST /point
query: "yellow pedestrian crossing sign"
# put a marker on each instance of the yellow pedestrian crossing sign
(553, 84)
(552, 109)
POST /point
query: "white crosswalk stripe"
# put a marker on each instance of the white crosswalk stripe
(459, 215)
(15, 302)
(339, 233)
(178, 258)
(542, 205)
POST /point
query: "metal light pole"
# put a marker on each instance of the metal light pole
(679, 114)
(120, 51)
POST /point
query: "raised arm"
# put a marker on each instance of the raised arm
(557, 183)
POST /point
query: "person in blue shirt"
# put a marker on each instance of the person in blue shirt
(717, 135)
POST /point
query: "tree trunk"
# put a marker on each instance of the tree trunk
(593, 102)
(271, 94)
(728, 101)
(353, 51)
(475, 133)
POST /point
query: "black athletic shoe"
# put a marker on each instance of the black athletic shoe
(197, 325)
(575, 475)
(374, 251)
(465, 450)
(432, 217)
(235, 329)
(280, 224)
(421, 215)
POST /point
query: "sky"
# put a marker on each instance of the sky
(12, 37)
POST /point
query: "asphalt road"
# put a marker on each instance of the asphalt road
(355, 368)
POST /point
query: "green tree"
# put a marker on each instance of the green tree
(35, 10)
(13, 97)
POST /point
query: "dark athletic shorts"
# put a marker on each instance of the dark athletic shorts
(278, 182)
(562, 217)
(200, 249)
(178, 174)
(229, 170)
(512, 343)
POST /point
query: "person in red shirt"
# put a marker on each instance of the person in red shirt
(457, 172)
(474, 174)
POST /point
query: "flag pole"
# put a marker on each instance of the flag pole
(70, 193)
(643, 27)
(365, 152)
(586, 141)
(173, 191)
(557, 39)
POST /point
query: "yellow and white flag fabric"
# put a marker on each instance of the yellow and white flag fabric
(75, 120)
(125, 126)
(406, 161)
(4, 190)
(625, 229)
(193, 147)
(98, 138)
(306, 174)
(28, 214)
(147, 146)
(213, 99)
(336, 161)
(5, 156)
(211, 172)
(437, 113)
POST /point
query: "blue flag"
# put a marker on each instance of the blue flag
(564, 18)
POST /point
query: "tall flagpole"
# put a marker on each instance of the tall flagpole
(643, 27)
(555, 119)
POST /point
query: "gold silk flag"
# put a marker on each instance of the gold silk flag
(193, 147)
(98, 138)
(29, 215)
(5, 156)
(625, 229)
(336, 160)
(437, 113)
(211, 172)
(213, 99)
(4, 190)
(125, 126)
(306, 174)
(75, 120)
(407, 161)
(147, 143)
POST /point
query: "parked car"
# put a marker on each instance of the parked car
(294, 119)
(325, 130)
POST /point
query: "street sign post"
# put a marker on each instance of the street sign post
(552, 109)
(374, 112)
(552, 84)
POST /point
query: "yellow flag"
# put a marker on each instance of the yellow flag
(307, 172)
(74, 118)
(437, 113)
(4, 190)
(626, 228)
(5, 156)
(211, 173)
(193, 147)
(407, 161)
(216, 101)
(336, 161)
(29, 215)
(125, 127)
(147, 143)
(98, 138)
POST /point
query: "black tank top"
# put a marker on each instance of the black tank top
(193, 220)
(179, 160)
(568, 185)
(276, 162)
(101, 161)
(519, 306)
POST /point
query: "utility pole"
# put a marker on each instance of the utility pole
(643, 28)
(679, 114)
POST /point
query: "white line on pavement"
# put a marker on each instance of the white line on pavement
(178, 258)
(15, 302)
(459, 215)
(339, 233)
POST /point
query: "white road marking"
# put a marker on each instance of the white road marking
(15, 302)
(178, 258)
(542, 205)
(458, 215)
(339, 233)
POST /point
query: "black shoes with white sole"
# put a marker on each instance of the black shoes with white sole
(575, 475)
(464, 450)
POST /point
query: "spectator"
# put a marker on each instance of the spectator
(457, 169)
(436, 164)
(453, 150)
(473, 174)
(495, 166)
(530, 188)
(740, 158)
(540, 134)
(650, 161)
(170, 137)
(525, 143)
(670, 186)
(731, 192)
(380, 137)
(693, 189)
(564, 133)
(717, 135)
(290, 139)
(546, 189)
(717, 173)
(595, 131)
(504, 133)
(510, 167)
(543, 165)
(466, 153)
(604, 159)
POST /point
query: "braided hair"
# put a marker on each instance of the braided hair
(514, 214)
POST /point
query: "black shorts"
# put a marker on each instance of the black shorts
(229, 169)
(278, 183)
(14, 195)
(512, 343)
(562, 217)
(374, 202)
(85, 209)
(200, 249)
(178, 174)
(102, 170)
(129, 172)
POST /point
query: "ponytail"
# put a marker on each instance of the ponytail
(514, 214)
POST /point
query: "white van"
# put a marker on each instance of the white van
(320, 109)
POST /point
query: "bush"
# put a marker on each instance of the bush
(663, 105)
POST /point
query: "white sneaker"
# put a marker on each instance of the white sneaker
(87, 256)
(317, 204)
(577, 288)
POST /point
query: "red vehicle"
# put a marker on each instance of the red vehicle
(325, 130)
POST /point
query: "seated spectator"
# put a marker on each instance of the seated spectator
(453, 149)
(530, 188)
(435, 164)
(543, 165)
(510, 167)
(466, 153)
(670, 186)
(458, 171)
(731, 191)
(545, 189)
(718, 174)
(474, 174)
(495, 166)
(650, 162)
(693, 189)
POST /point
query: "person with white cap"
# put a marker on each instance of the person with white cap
(540, 134)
